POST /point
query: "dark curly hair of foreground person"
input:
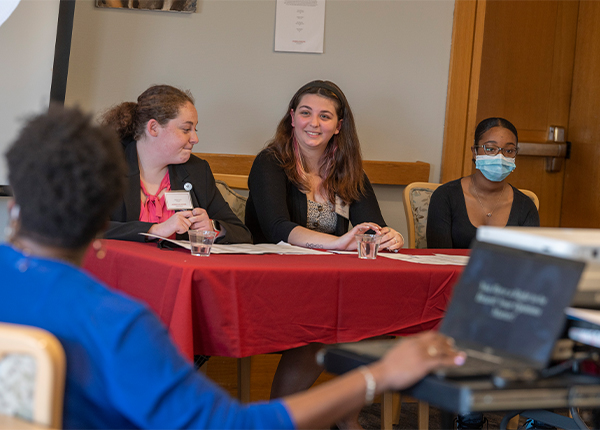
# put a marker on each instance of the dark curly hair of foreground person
(67, 175)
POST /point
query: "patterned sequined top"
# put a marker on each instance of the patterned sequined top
(321, 217)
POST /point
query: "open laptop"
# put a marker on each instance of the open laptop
(573, 243)
(506, 312)
(507, 309)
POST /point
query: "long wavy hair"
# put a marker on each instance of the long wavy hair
(341, 164)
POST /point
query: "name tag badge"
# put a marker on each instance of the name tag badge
(178, 200)
(341, 208)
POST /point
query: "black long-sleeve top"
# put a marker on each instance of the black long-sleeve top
(448, 224)
(276, 206)
(125, 223)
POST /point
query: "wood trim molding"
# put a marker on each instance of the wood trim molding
(396, 172)
(459, 78)
(379, 172)
(230, 164)
(239, 182)
(468, 164)
(463, 86)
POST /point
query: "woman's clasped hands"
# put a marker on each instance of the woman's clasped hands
(390, 238)
(182, 221)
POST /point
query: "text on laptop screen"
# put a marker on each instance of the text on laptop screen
(512, 300)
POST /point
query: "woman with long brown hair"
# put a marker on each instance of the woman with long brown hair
(306, 187)
(308, 184)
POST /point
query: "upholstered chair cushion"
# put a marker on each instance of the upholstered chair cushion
(236, 201)
(17, 382)
(419, 202)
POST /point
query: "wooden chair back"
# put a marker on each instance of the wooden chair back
(416, 198)
(34, 363)
(532, 196)
(236, 201)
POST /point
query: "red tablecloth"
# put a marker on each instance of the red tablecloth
(242, 305)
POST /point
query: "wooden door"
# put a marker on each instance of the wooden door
(521, 69)
(581, 202)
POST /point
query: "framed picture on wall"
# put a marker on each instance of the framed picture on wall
(188, 6)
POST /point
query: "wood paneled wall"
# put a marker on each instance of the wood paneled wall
(520, 56)
(581, 200)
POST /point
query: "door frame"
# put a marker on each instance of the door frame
(463, 88)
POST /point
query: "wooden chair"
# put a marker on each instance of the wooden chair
(32, 377)
(391, 407)
(14, 423)
(416, 198)
(532, 196)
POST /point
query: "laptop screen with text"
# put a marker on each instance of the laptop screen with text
(512, 300)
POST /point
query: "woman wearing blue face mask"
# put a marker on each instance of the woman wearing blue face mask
(458, 207)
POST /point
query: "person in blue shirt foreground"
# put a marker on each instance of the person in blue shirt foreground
(123, 370)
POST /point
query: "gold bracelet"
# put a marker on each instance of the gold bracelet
(370, 384)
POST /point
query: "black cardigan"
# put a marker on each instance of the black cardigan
(125, 223)
(275, 206)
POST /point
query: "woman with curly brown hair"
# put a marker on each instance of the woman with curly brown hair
(158, 133)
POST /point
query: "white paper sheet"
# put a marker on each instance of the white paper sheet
(281, 248)
(300, 25)
(442, 259)
(183, 243)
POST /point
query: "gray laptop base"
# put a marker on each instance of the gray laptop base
(472, 394)
(480, 394)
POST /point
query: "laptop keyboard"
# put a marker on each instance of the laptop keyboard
(483, 357)
(479, 363)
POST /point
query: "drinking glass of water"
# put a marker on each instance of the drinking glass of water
(368, 245)
(201, 241)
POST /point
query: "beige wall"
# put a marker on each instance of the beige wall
(390, 58)
(27, 40)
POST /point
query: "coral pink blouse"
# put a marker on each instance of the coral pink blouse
(154, 209)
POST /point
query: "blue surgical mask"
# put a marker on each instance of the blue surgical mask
(495, 167)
